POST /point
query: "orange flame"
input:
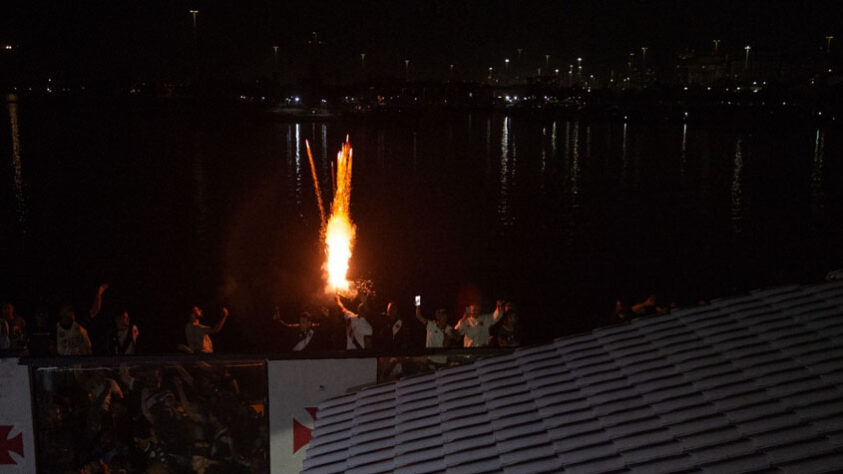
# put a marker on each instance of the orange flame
(339, 231)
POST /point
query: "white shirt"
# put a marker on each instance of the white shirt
(436, 336)
(357, 328)
(303, 342)
(476, 330)
(72, 341)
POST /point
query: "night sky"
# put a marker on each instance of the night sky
(154, 40)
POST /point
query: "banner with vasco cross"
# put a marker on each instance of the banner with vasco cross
(17, 445)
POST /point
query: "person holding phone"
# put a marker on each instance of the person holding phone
(439, 332)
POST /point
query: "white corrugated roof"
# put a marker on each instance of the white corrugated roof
(746, 384)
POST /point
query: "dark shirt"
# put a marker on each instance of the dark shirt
(391, 334)
(311, 346)
(508, 337)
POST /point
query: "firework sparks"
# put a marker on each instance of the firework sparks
(338, 231)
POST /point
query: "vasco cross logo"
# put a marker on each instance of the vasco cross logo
(301, 433)
(9, 445)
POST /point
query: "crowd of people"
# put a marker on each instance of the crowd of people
(141, 416)
(69, 336)
(170, 418)
(321, 329)
(366, 329)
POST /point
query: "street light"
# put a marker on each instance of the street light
(716, 45)
(506, 61)
(828, 44)
(644, 58)
(547, 60)
(363, 60)
(275, 54)
(407, 69)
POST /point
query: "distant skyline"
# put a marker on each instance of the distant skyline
(154, 40)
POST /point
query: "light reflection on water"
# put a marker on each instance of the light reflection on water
(543, 152)
(324, 153)
(737, 187)
(488, 138)
(20, 204)
(289, 157)
(640, 197)
(683, 157)
(575, 165)
(817, 173)
(298, 167)
(624, 154)
(506, 170)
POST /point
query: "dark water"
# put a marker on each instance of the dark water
(174, 205)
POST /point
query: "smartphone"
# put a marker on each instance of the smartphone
(418, 300)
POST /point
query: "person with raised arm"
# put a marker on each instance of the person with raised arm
(198, 335)
(438, 332)
(71, 337)
(474, 327)
(307, 338)
(358, 331)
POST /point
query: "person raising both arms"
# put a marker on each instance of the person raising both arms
(307, 338)
(474, 326)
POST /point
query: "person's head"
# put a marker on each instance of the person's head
(66, 315)
(40, 317)
(169, 399)
(305, 321)
(195, 313)
(441, 316)
(8, 311)
(121, 320)
(472, 311)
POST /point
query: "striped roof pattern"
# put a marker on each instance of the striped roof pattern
(746, 384)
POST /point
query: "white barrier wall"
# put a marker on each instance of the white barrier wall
(17, 442)
(295, 389)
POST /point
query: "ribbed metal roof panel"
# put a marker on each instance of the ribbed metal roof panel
(746, 384)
